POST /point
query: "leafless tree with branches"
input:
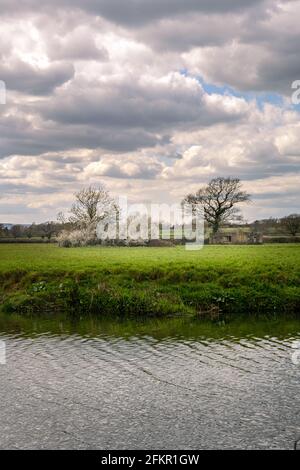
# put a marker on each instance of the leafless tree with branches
(291, 223)
(92, 205)
(219, 200)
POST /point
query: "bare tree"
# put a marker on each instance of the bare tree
(291, 224)
(16, 230)
(61, 218)
(29, 231)
(92, 206)
(48, 229)
(4, 231)
(218, 200)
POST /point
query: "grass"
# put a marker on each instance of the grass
(214, 283)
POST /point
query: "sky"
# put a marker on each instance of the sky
(151, 98)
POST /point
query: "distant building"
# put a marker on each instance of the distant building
(236, 237)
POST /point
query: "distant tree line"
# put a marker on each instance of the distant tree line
(218, 202)
(289, 225)
(46, 231)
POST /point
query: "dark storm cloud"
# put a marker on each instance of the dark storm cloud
(20, 136)
(131, 12)
(21, 188)
(28, 140)
(173, 34)
(138, 12)
(272, 60)
(279, 72)
(22, 77)
(152, 105)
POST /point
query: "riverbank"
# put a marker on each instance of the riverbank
(213, 283)
(159, 329)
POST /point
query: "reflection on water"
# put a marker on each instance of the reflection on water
(162, 384)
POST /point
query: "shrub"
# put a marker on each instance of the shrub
(282, 239)
(76, 238)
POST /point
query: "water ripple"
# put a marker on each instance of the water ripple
(74, 391)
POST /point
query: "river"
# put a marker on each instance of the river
(162, 384)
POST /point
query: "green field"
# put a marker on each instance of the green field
(214, 282)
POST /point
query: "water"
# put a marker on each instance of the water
(164, 384)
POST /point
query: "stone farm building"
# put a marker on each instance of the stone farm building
(237, 237)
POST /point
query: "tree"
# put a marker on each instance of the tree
(48, 229)
(91, 206)
(29, 231)
(4, 232)
(16, 231)
(218, 201)
(291, 224)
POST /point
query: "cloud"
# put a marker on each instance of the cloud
(154, 98)
(133, 13)
(78, 44)
(116, 115)
(126, 166)
(25, 78)
(147, 102)
(260, 56)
